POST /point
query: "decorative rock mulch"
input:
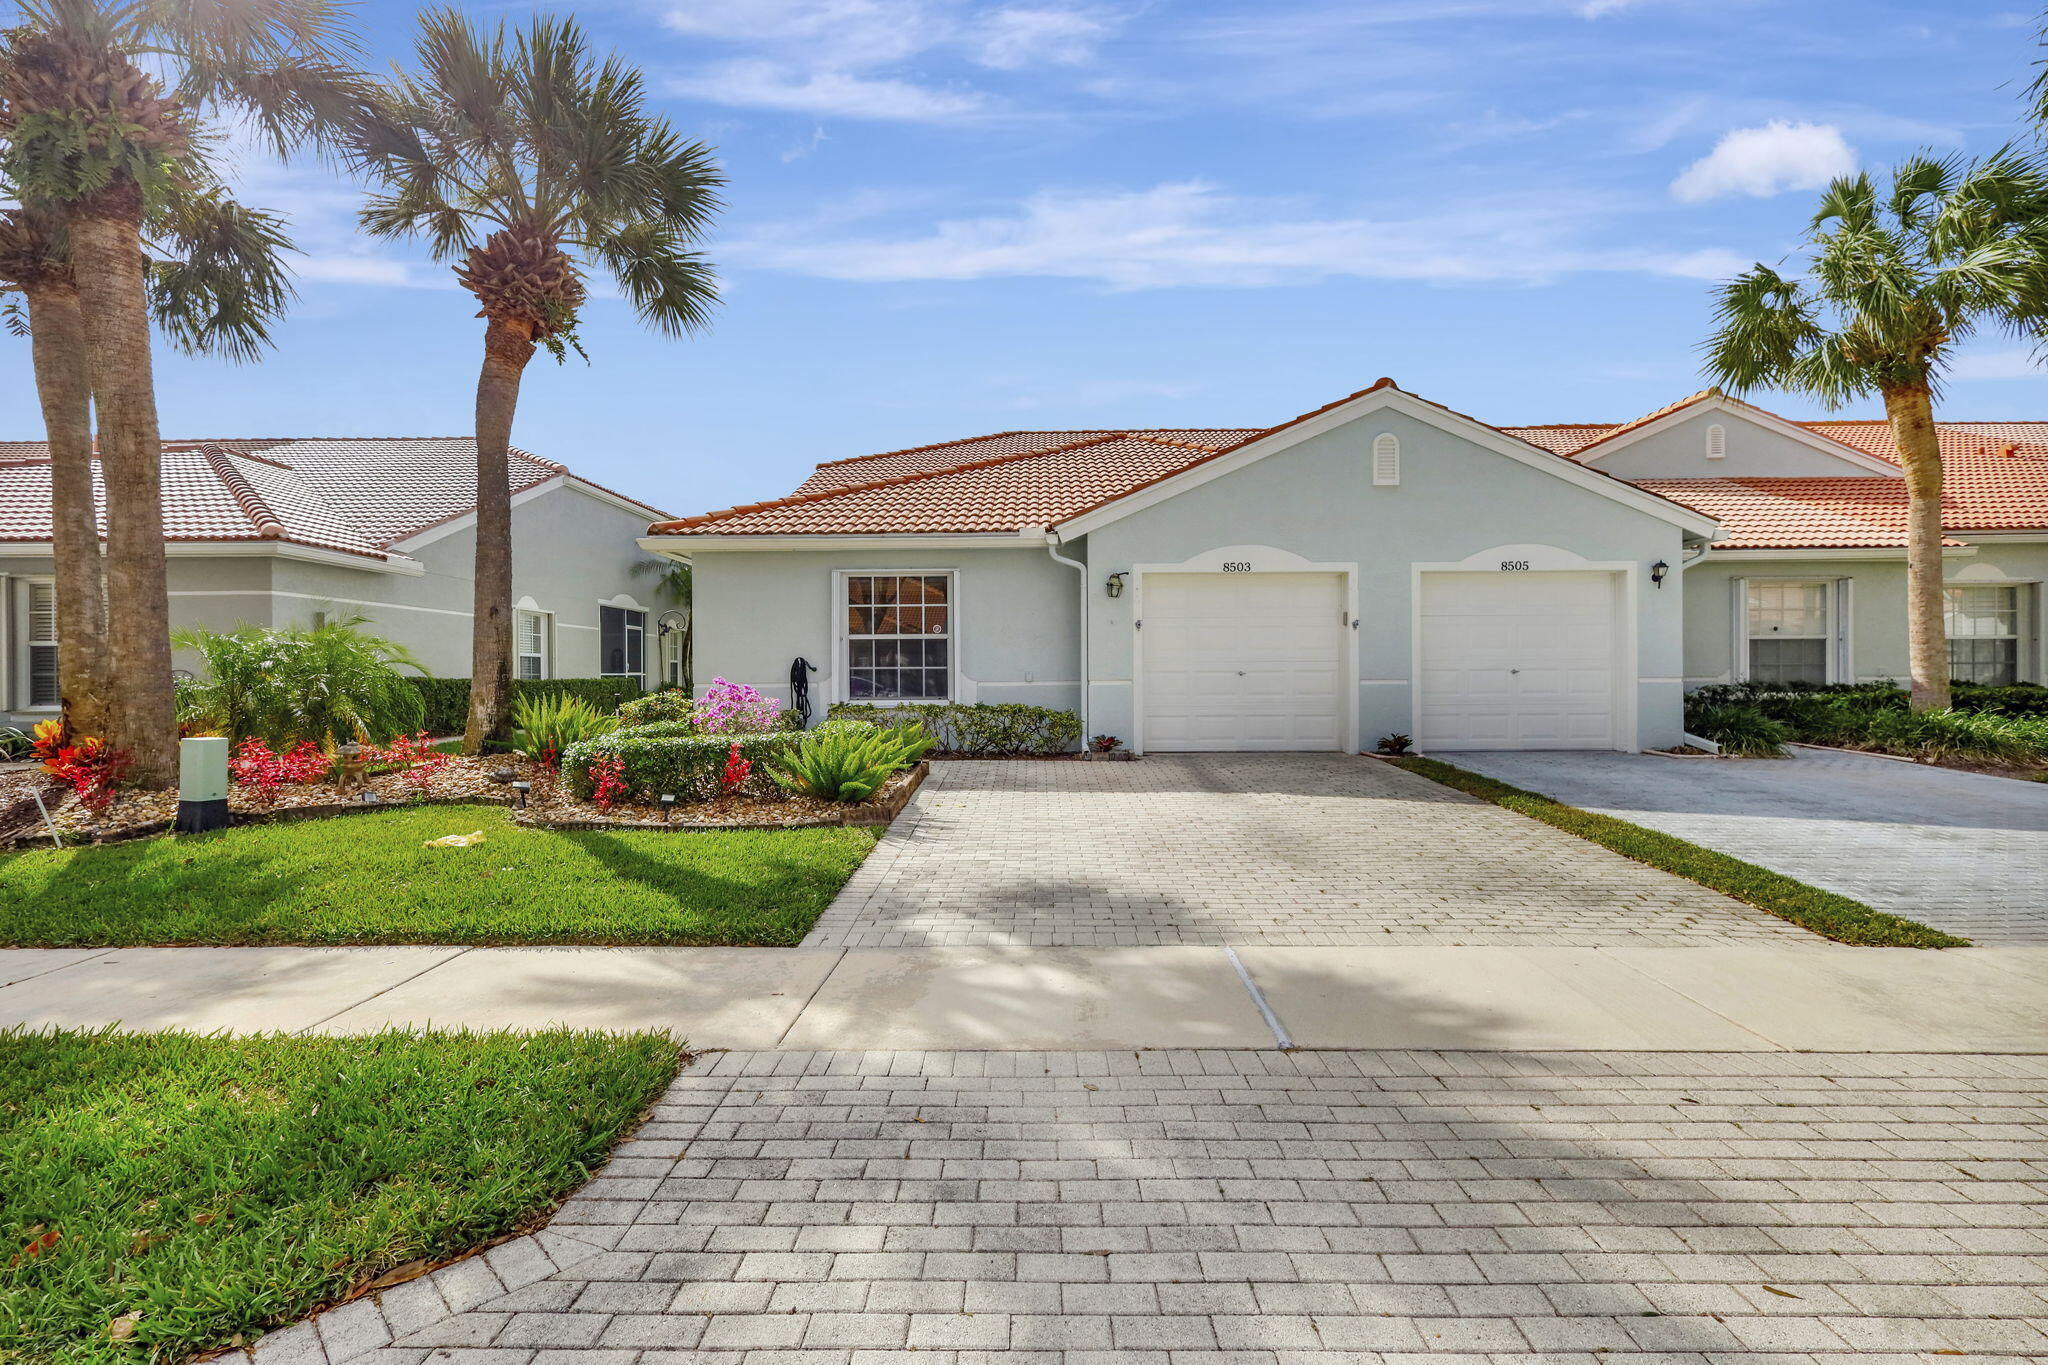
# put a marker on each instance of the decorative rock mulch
(551, 807)
(139, 814)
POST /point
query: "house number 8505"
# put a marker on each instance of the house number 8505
(1237, 566)
(1514, 566)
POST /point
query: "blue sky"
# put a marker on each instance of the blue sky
(949, 217)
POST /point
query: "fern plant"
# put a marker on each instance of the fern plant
(850, 760)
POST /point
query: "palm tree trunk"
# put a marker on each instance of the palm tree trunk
(63, 369)
(107, 261)
(1910, 410)
(508, 345)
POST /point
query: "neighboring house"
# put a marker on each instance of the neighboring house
(284, 532)
(1381, 565)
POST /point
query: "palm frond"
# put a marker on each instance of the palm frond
(1765, 323)
(222, 281)
(672, 289)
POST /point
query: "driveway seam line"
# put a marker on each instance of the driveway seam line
(1280, 1035)
(460, 951)
(52, 971)
(805, 1008)
(1658, 981)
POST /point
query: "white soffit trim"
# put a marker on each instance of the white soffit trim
(1374, 400)
(441, 530)
(682, 547)
(1841, 552)
(1769, 421)
(253, 549)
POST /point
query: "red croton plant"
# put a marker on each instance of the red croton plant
(83, 763)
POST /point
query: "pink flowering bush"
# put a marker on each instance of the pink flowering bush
(729, 708)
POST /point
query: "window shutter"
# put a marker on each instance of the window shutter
(42, 613)
(43, 686)
(529, 632)
(1386, 460)
(1717, 442)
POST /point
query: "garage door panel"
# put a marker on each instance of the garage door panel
(1250, 661)
(1521, 660)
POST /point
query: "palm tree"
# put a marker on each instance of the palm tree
(1891, 286)
(216, 283)
(87, 131)
(528, 163)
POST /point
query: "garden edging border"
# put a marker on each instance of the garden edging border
(881, 812)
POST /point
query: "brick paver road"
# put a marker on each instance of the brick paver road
(1961, 851)
(1160, 1208)
(1249, 849)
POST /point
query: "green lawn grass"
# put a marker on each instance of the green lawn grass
(357, 879)
(186, 1189)
(1824, 912)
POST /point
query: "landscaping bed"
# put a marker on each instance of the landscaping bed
(164, 1195)
(372, 879)
(1996, 731)
(554, 806)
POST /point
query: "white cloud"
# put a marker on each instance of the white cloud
(849, 58)
(1192, 234)
(333, 269)
(767, 85)
(1998, 365)
(1594, 9)
(1769, 160)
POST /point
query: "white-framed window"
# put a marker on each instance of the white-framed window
(621, 633)
(671, 651)
(40, 645)
(1791, 631)
(532, 639)
(897, 630)
(1984, 634)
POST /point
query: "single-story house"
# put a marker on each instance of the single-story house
(1381, 565)
(277, 532)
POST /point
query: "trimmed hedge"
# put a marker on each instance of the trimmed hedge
(983, 730)
(2021, 699)
(2003, 726)
(669, 704)
(447, 699)
(666, 757)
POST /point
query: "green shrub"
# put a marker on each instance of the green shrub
(978, 731)
(849, 760)
(668, 758)
(447, 699)
(333, 684)
(1991, 725)
(669, 704)
(1741, 730)
(543, 726)
(1960, 735)
(2022, 699)
(14, 743)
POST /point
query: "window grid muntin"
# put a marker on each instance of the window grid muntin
(1983, 628)
(1790, 631)
(621, 642)
(529, 644)
(898, 634)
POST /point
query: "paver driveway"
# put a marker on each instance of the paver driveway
(1960, 851)
(1154, 1208)
(1249, 848)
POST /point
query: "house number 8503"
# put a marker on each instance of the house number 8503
(1237, 566)
(1514, 566)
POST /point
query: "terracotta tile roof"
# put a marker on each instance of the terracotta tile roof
(1009, 480)
(356, 495)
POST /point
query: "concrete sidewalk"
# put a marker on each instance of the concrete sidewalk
(1735, 998)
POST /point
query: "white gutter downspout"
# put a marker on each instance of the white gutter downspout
(1052, 547)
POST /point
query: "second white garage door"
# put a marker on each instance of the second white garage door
(1242, 661)
(1518, 661)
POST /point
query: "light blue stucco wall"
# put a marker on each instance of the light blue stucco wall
(1877, 606)
(570, 550)
(1016, 639)
(1455, 499)
(1680, 452)
(756, 610)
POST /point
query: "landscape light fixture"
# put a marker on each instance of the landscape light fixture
(668, 803)
(522, 788)
(1115, 586)
(1657, 572)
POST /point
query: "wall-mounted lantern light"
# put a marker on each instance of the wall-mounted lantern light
(1657, 572)
(1115, 586)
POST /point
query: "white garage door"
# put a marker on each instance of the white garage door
(1242, 661)
(1518, 661)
